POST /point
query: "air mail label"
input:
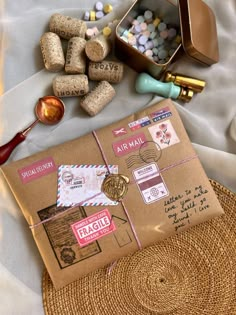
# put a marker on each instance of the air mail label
(93, 227)
(125, 146)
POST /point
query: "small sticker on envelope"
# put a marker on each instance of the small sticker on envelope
(150, 183)
(93, 227)
(81, 184)
(164, 134)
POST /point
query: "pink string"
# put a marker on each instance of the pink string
(122, 203)
(65, 211)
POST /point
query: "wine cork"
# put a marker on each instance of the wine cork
(105, 70)
(70, 85)
(98, 98)
(51, 48)
(75, 56)
(66, 26)
(98, 48)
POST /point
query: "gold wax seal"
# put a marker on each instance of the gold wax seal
(115, 186)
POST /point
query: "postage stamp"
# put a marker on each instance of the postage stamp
(81, 184)
(164, 134)
(150, 183)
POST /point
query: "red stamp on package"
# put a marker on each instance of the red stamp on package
(128, 145)
(37, 170)
(93, 227)
(119, 132)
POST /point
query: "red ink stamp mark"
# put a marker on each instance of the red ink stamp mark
(93, 227)
(37, 170)
(119, 132)
(128, 145)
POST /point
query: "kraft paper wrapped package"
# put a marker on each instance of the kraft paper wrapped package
(76, 227)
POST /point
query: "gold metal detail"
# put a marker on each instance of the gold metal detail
(115, 186)
(186, 95)
(194, 84)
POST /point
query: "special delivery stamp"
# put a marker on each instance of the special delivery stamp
(93, 227)
(81, 184)
(150, 183)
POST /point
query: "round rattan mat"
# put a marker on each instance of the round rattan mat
(193, 273)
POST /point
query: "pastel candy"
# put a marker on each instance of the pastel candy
(164, 34)
(155, 51)
(156, 59)
(135, 22)
(155, 42)
(148, 52)
(151, 27)
(98, 6)
(106, 31)
(156, 22)
(137, 29)
(86, 16)
(162, 54)
(160, 40)
(161, 26)
(107, 8)
(141, 48)
(172, 33)
(132, 40)
(143, 26)
(148, 15)
(142, 40)
(92, 16)
(140, 19)
(153, 35)
(149, 44)
(99, 15)
(146, 33)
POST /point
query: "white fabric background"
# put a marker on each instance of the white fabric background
(210, 120)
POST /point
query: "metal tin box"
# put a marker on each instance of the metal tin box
(197, 26)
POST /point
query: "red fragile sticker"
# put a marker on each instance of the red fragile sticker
(93, 227)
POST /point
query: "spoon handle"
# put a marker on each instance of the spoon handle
(6, 149)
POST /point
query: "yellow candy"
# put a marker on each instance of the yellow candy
(92, 16)
(156, 22)
(178, 39)
(106, 31)
(107, 8)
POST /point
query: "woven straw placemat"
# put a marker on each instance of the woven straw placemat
(193, 273)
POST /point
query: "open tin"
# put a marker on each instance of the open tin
(197, 26)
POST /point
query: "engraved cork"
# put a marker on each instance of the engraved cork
(98, 98)
(70, 85)
(67, 27)
(75, 56)
(105, 70)
(98, 48)
(51, 48)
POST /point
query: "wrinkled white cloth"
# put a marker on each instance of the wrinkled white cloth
(210, 120)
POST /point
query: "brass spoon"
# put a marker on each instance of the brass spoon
(49, 110)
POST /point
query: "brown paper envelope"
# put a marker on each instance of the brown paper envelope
(168, 193)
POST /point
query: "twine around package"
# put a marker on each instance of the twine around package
(191, 273)
(65, 192)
